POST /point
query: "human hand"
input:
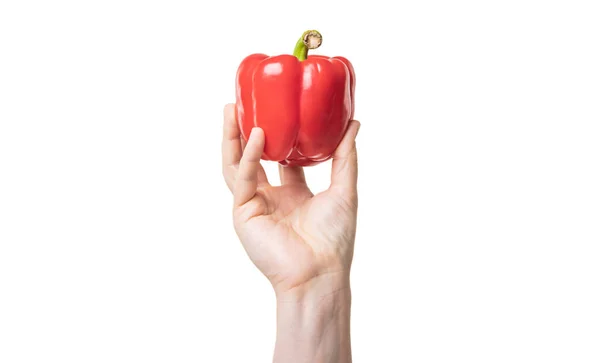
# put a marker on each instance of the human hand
(303, 243)
(298, 240)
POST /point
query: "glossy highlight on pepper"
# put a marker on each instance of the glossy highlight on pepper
(302, 102)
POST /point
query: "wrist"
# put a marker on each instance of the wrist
(313, 321)
(317, 288)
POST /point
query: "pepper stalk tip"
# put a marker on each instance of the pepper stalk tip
(312, 39)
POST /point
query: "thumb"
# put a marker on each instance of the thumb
(246, 180)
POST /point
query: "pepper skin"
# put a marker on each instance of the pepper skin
(302, 102)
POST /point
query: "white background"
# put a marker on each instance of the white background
(479, 218)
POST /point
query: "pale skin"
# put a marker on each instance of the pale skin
(303, 243)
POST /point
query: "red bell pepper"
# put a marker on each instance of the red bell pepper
(302, 102)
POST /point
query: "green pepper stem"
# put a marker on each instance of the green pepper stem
(310, 39)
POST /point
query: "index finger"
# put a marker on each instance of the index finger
(344, 167)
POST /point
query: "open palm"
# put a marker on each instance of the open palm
(291, 235)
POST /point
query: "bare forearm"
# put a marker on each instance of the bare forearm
(313, 323)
